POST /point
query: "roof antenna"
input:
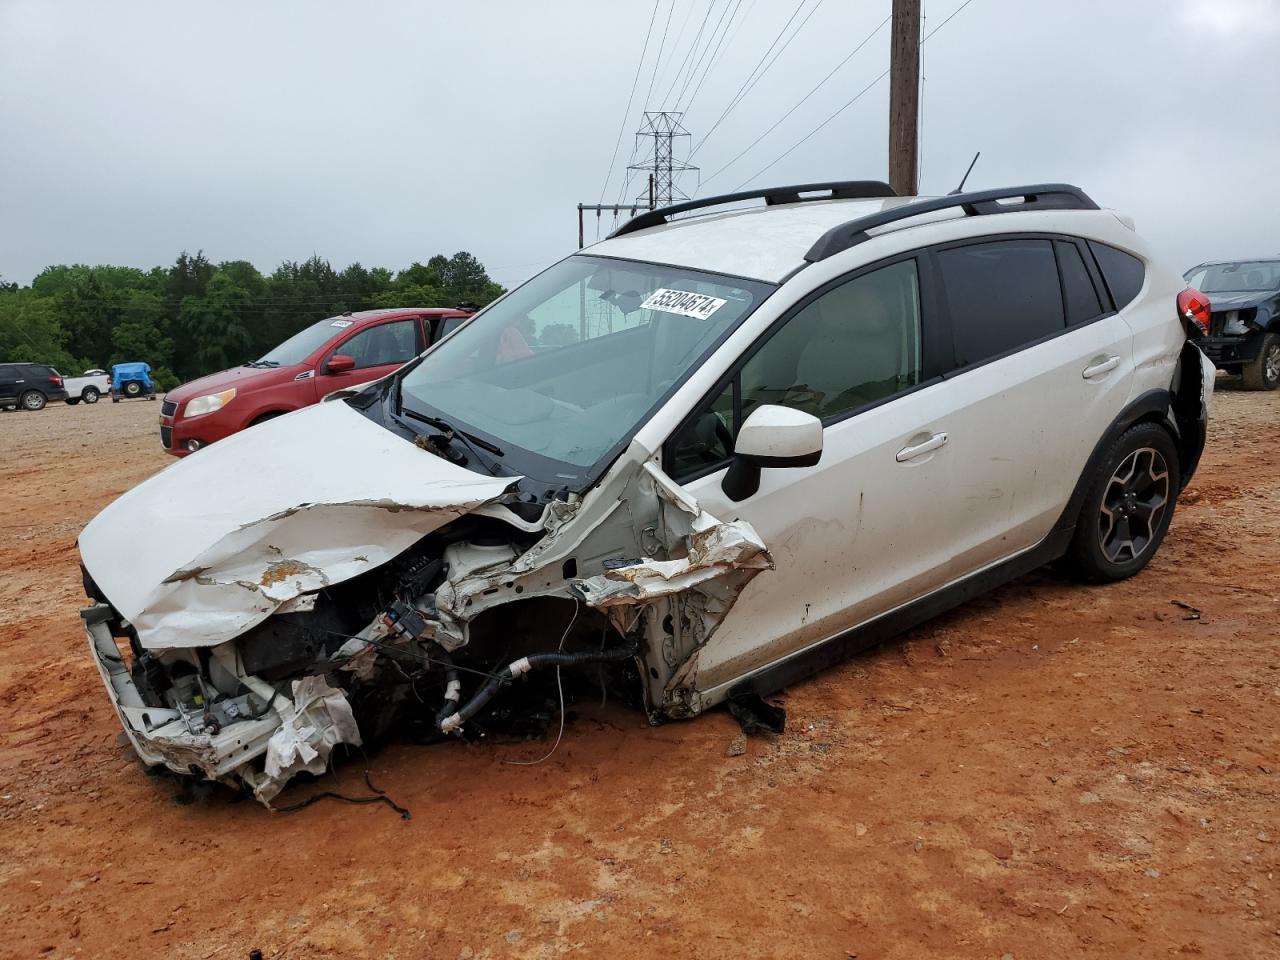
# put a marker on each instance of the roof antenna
(966, 175)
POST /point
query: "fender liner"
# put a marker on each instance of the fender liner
(1190, 411)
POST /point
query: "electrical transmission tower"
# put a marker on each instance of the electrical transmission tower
(664, 127)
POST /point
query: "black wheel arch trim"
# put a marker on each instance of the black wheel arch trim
(1154, 405)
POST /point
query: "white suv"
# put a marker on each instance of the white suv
(707, 456)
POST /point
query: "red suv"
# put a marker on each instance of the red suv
(339, 352)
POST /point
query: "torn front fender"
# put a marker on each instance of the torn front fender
(714, 550)
(710, 563)
(216, 543)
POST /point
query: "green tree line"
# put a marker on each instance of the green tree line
(196, 317)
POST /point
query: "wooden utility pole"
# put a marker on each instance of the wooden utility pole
(904, 97)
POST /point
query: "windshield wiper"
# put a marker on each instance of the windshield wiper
(263, 363)
(449, 433)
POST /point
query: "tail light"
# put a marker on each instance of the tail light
(56, 381)
(1193, 307)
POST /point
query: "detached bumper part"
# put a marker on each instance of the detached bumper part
(294, 734)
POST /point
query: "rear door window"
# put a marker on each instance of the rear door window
(1123, 272)
(1078, 291)
(1001, 296)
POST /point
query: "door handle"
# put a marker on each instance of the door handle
(920, 449)
(1101, 367)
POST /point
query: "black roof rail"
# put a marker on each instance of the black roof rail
(1041, 196)
(839, 190)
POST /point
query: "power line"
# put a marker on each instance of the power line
(627, 112)
(737, 97)
(712, 60)
(858, 96)
(698, 58)
(648, 102)
(802, 100)
(781, 50)
(736, 31)
(689, 53)
(658, 60)
(273, 302)
(946, 21)
(924, 23)
(708, 53)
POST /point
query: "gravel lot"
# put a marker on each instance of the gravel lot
(1050, 771)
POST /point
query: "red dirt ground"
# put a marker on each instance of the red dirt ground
(1050, 771)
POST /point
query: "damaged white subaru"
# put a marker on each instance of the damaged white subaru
(715, 453)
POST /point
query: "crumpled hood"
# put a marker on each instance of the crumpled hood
(217, 542)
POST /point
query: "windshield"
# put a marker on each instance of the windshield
(1247, 275)
(306, 342)
(569, 365)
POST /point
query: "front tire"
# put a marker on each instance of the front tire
(72, 401)
(33, 400)
(1128, 506)
(1263, 372)
(90, 395)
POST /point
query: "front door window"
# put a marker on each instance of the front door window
(849, 348)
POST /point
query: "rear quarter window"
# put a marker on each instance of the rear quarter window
(1123, 272)
(1001, 295)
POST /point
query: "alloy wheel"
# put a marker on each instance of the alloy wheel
(1133, 504)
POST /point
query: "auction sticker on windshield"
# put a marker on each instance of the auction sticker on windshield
(686, 304)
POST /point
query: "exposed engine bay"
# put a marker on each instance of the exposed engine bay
(460, 635)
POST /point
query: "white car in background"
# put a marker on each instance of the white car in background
(89, 386)
(701, 459)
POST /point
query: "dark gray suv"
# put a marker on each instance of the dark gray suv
(1244, 330)
(29, 386)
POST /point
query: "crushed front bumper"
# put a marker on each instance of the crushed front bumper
(261, 751)
(159, 735)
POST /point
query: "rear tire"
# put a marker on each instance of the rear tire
(1263, 372)
(1128, 506)
(32, 400)
(90, 395)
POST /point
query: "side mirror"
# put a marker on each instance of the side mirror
(340, 362)
(773, 436)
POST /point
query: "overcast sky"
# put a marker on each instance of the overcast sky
(386, 132)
